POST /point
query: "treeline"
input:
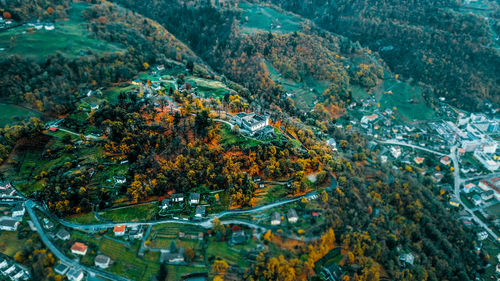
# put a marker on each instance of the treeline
(425, 40)
(10, 135)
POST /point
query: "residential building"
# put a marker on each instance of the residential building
(62, 234)
(419, 160)
(194, 198)
(292, 216)
(200, 211)
(136, 232)
(102, 261)
(165, 203)
(407, 258)
(469, 187)
(79, 249)
(332, 272)
(120, 180)
(476, 200)
(369, 118)
(5, 185)
(332, 143)
(251, 122)
(119, 230)
(275, 219)
(172, 258)
(395, 151)
(8, 224)
(238, 237)
(487, 195)
(445, 160)
(18, 210)
(75, 275)
(61, 269)
(177, 197)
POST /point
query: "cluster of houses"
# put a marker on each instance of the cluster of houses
(10, 223)
(485, 190)
(5, 23)
(38, 25)
(193, 199)
(13, 271)
(291, 215)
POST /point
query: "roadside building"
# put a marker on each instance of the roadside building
(75, 275)
(119, 230)
(445, 160)
(476, 200)
(469, 187)
(79, 249)
(61, 269)
(275, 219)
(62, 234)
(177, 197)
(487, 195)
(238, 237)
(200, 211)
(102, 261)
(292, 216)
(18, 210)
(8, 224)
(194, 198)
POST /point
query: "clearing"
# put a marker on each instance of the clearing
(258, 18)
(15, 114)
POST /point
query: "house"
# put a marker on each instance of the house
(200, 211)
(94, 107)
(487, 195)
(461, 151)
(407, 258)
(165, 203)
(61, 269)
(177, 197)
(9, 224)
(292, 216)
(18, 210)
(251, 122)
(419, 160)
(476, 200)
(275, 219)
(48, 224)
(3, 263)
(53, 129)
(119, 230)
(238, 237)
(332, 143)
(136, 233)
(120, 180)
(102, 261)
(332, 272)
(62, 234)
(172, 258)
(469, 187)
(445, 160)
(194, 198)
(395, 151)
(454, 203)
(75, 275)
(79, 249)
(5, 185)
(482, 235)
(369, 118)
(160, 67)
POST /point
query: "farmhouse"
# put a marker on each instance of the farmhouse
(238, 237)
(79, 249)
(61, 269)
(200, 211)
(177, 197)
(251, 122)
(119, 230)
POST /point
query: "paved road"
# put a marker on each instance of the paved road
(400, 143)
(492, 175)
(72, 263)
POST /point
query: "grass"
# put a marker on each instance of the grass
(87, 218)
(494, 209)
(69, 38)
(229, 138)
(176, 272)
(12, 243)
(143, 212)
(258, 18)
(111, 94)
(226, 252)
(304, 93)
(208, 88)
(11, 114)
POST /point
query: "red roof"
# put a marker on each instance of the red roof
(79, 247)
(315, 214)
(53, 129)
(119, 228)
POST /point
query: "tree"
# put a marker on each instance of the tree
(163, 272)
(219, 267)
(324, 196)
(189, 254)
(173, 247)
(7, 15)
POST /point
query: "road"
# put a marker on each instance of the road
(400, 143)
(458, 181)
(64, 259)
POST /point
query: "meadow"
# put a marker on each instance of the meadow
(258, 18)
(11, 114)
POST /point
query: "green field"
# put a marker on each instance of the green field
(70, 38)
(229, 138)
(258, 18)
(12, 244)
(88, 218)
(11, 114)
(111, 94)
(143, 212)
(303, 93)
(208, 88)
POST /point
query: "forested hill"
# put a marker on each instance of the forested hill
(426, 40)
(92, 44)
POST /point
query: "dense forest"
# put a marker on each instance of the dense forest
(426, 40)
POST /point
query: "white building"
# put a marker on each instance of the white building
(18, 210)
(395, 151)
(275, 219)
(251, 122)
(102, 261)
(9, 224)
(75, 275)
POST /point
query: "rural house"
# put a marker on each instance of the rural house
(275, 219)
(79, 249)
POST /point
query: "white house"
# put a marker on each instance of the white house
(177, 197)
(275, 219)
(119, 230)
(18, 210)
(194, 198)
(102, 261)
(9, 224)
(292, 216)
(251, 122)
(395, 151)
(75, 275)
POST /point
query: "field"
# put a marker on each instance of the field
(12, 244)
(88, 218)
(258, 18)
(208, 88)
(228, 138)
(69, 38)
(305, 93)
(143, 212)
(111, 94)
(11, 114)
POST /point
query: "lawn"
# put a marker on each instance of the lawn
(87, 218)
(229, 138)
(258, 18)
(11, 114)
(111, 94)
(226, 252)
(494, 209)
(143, 212)
(70, 38)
